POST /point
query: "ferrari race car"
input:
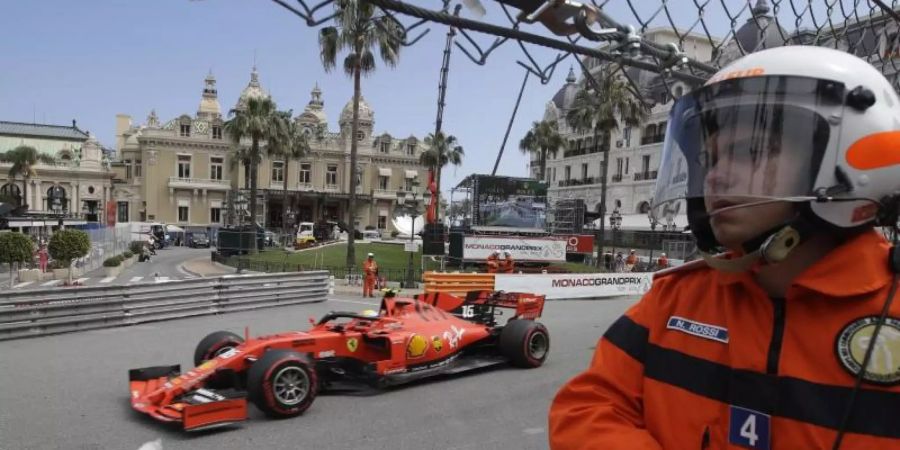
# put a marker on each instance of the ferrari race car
(406, 340)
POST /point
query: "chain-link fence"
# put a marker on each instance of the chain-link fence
(105, 243)
(652, 42)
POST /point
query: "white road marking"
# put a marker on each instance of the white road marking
(107, 279)
(22, 284)
(536, 430)
(52, 283)
(81, 280)
(162, 279)
(135, 279)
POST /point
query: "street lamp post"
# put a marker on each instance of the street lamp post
(412, 210)
(615, 221)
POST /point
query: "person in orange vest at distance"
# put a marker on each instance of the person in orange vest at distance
(370, 269)
(493, 262)
(631, 260)
(507, 264)
(662, 262)
(43, 257)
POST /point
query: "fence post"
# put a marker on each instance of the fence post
(331, 285)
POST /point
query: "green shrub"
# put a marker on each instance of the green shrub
(115, 261)
(127, 254)
(15, 247)
(136, 246)
(394, 233)
(66, 245)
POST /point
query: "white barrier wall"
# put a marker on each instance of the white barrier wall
(576, 285)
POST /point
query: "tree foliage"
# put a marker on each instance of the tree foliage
(15, 248)
(67, 245)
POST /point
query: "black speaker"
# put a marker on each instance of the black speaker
(433, 239)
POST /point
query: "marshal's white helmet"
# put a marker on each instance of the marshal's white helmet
(816, 126)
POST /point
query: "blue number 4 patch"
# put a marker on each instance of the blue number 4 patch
(748, 428)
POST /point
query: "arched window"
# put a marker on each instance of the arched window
(56, 199)
(11, 193)
(643, 207)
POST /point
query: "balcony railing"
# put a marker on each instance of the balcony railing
(585, 150)
(385, 194)
(199, 183)
(653, 139)
(643, 176)
(580, 182)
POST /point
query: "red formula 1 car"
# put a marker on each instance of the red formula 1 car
(408, 339)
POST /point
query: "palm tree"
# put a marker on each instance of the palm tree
(442, 150)
(24, 159)
(603, 111)
(259, 122)
(358, 31)
(542, 139)
(290, 144)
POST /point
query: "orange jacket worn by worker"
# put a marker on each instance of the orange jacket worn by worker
(507, 264)
(704, 350)
(370, 269)
(631, 259)
(493, 263)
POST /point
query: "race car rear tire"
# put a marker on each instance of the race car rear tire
(525, 343)
(282, 383)
(215, 344)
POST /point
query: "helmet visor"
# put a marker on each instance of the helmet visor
(747, 140)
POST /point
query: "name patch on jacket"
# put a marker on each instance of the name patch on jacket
(698, 329)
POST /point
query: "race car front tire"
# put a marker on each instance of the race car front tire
(282, 383)
(215, 344)
(525, 343)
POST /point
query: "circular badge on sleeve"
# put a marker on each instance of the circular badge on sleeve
(884, 364)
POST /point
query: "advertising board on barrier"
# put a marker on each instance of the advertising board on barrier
(576, 285)
(521, 249)
(580, 243)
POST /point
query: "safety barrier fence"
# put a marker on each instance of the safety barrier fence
(38, 312)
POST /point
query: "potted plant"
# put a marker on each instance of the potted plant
(15, 248)
(65, 247)
(113, 266)
(127, 259)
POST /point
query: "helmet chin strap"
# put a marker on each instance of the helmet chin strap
(772, 247)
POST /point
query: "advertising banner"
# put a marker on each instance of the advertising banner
(520, 248)
(580, 243)
(576, 285)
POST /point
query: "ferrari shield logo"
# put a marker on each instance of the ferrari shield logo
(884, 364)
(437, 343)
(352, 344)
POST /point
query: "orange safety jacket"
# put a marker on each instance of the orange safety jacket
(707, 360)
(493, 264)
(370, 268)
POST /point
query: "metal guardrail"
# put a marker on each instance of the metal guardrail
(39, 312)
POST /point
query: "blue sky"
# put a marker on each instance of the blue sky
(88, 61)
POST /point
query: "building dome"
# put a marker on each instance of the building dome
(566, 94)
(314, 111)
(365, 111)
(253, 90)
(761, 31)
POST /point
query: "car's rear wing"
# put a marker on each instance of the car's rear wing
(527, 306)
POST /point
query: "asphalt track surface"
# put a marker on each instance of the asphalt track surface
(70, 391)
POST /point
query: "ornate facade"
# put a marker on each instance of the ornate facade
(183, 171)
(75, 186)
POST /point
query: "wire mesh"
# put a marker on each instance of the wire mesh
(654, 41)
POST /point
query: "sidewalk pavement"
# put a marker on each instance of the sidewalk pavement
(203, 267)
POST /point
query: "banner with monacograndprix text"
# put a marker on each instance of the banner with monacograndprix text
(576, 285)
